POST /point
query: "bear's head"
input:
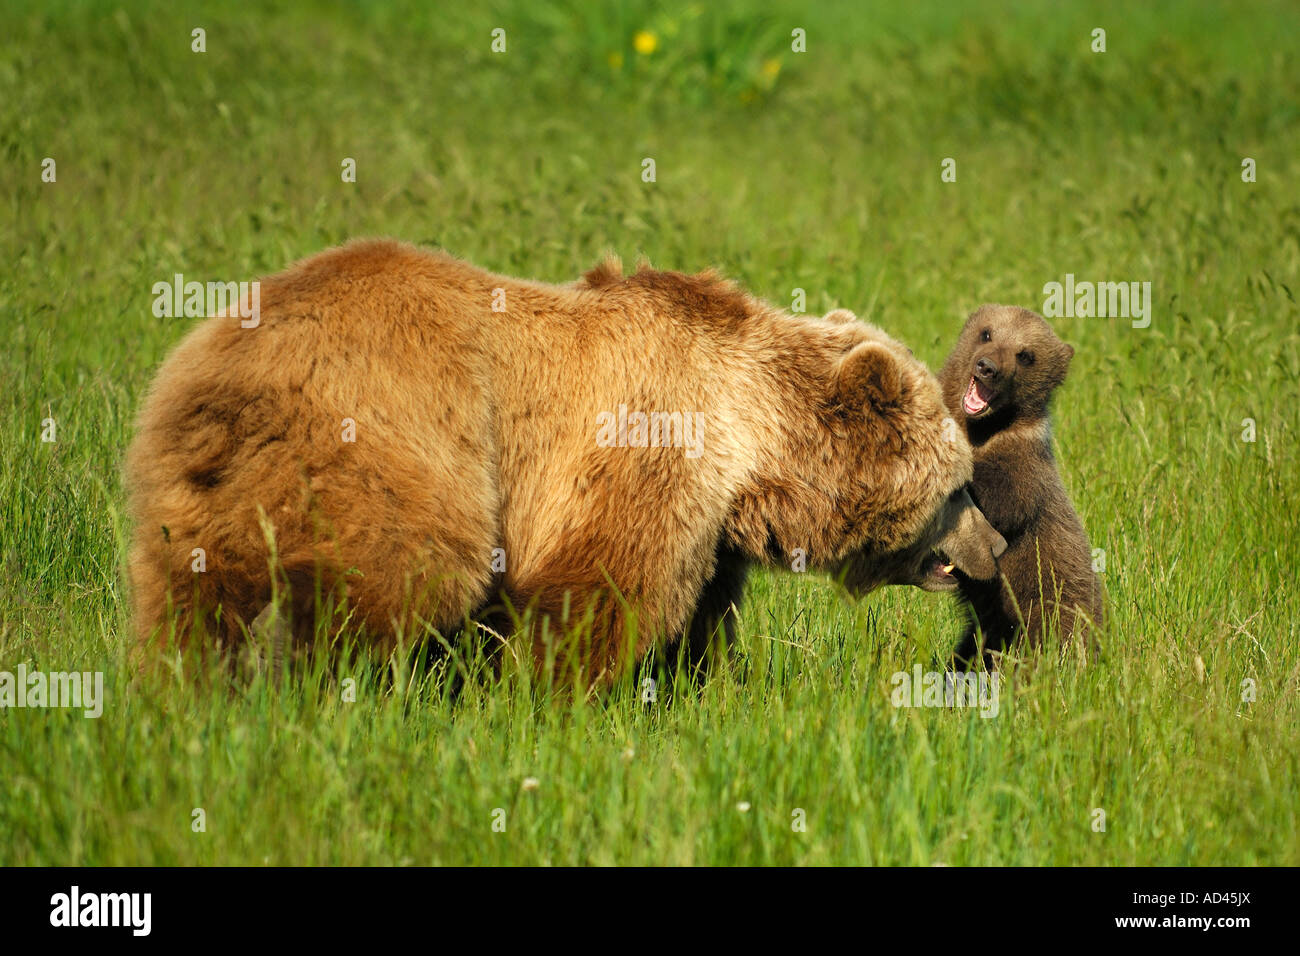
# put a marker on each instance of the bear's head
(903, 466)
(1006, 365)
(959, 536)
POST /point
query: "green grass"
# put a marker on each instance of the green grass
(820, 172)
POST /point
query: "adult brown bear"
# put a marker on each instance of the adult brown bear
(427, 439)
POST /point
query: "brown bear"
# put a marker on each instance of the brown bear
(999, 381)
(430, 442)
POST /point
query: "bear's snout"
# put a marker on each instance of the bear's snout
(986, 370)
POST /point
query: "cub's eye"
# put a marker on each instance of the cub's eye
(1025, 358)
(986, 336)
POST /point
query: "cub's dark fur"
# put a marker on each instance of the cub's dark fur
(998, 382)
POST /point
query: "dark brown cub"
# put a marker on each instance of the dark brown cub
(998, 383)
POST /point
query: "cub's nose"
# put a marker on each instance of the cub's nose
(986, 369)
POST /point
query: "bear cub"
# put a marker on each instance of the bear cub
(998, 383)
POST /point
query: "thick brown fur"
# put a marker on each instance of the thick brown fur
(1046, 573)
(476, 430)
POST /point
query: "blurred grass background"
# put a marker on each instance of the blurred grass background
(815, 170)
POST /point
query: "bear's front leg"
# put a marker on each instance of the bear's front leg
(712, 629)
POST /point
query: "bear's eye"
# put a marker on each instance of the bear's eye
(1025, 358)
(986, 336)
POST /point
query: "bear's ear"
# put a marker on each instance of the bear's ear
(1069, 351)
(868, 374)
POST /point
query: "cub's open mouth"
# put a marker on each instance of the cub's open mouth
(977, 398)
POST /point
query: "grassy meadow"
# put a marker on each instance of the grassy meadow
(816, 170)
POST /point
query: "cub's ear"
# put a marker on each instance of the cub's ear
(869, 374)
(840, 316)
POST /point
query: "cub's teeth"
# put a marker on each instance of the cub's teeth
(947, 568)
